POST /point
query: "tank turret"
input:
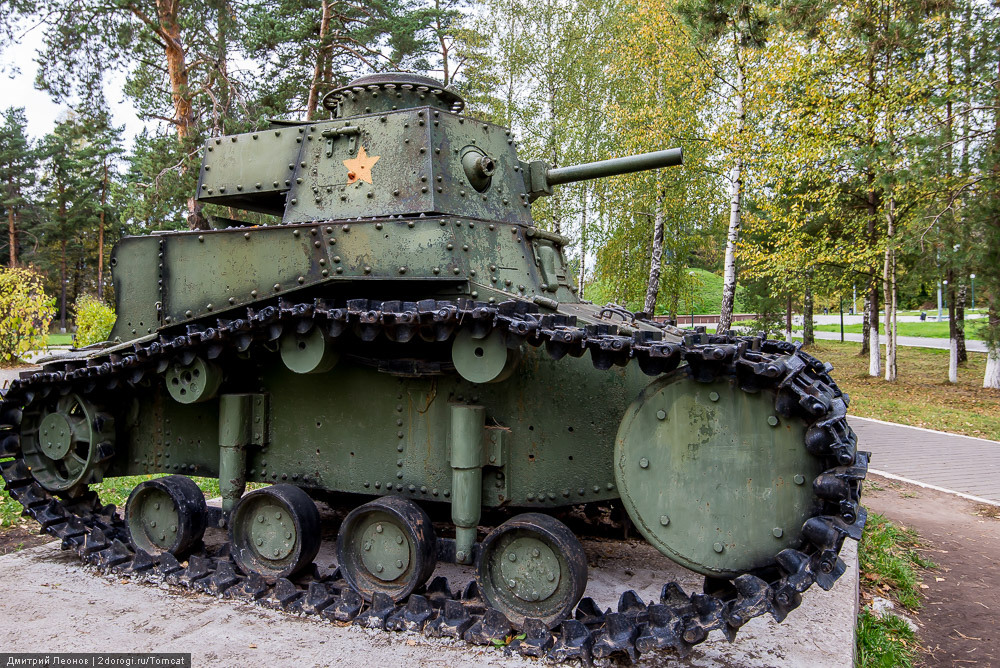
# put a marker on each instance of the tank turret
(398, 144)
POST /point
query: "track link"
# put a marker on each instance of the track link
(677, 620)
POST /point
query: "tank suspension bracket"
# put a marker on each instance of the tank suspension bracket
(468, 429)
(241, 425)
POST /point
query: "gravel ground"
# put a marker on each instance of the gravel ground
(55, 604)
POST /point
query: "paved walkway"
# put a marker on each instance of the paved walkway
(948, 462)
(973, 345)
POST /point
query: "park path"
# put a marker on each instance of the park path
(947, 462)
(973, 345)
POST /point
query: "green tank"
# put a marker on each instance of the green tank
(408, 347)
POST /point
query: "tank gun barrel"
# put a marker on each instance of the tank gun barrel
(604, 168)
(540, 178)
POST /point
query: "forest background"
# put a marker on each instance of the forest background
(836, 151)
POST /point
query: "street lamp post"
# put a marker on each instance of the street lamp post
(972, 277)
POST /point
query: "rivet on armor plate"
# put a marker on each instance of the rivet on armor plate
(772, 420)
(718, 547)
(714, 396)
(661, 415)
(799, 479)
(664, 520)
(644, 463)
(777, 532)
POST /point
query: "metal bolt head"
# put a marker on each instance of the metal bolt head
(399, 540)
(718, 547)
(277, 552)
(799, 479)
(399, 563)
(772, 420)
(661, 415)
(644, 463)
(664, 520)
(535, 553)
(551, 577)
(368, 546)
(511, 556)
(378, 528)
(512, 584)
(156, 506)
(260, 541)
(260, 518)
(778, 532)
(379, 568)
(714, 396)
(288, 535)
(277, 516)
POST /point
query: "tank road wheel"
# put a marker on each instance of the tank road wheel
(66, 444)
(165, 515)
(532, 566)
(274, 531)
(388, 546)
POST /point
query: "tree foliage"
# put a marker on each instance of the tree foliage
(25, 313)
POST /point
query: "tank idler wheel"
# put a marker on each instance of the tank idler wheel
(274, 531)
(387, 545)
(165, 515)
(532, 566)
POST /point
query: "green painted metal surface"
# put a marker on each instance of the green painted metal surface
(400, 197)
(711, 476)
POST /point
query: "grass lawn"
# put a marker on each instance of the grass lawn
(934, 330)
(889, 567)
(60, 339)
(921, 397)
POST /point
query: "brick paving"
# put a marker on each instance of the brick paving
(951, 462)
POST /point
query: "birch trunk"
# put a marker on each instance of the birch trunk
(735, 211)
(963, 291)
(808, 337)
(583, 247)
(866, 319)
(889, 293)
(952, 336)
(991, 379)
(788, 319)
(656, 260)
(874, 351)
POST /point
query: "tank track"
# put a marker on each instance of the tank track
(676, 621)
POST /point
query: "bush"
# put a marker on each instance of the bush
(94, 321)
(25, 313)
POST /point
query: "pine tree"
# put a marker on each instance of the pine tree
(18, 162)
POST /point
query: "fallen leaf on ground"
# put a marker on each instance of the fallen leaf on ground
(938, 579)
(253, 645)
